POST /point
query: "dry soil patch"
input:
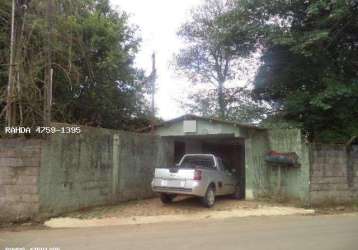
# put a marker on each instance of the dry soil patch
(153, 211)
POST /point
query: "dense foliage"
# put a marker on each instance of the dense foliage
(310, 67)
(309, 63)
(92, 48)
(308, 71)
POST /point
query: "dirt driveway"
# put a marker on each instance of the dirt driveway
(183, 209)
(154, 207)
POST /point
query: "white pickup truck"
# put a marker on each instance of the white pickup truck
(201, 175)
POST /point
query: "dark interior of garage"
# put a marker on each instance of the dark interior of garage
(231, 150)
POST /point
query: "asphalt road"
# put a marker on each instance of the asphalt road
(335, 232)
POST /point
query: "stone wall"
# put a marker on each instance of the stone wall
(19, 171)
(334, 174)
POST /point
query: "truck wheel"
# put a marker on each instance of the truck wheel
(237, 194)
(167, 198)
(209, 199)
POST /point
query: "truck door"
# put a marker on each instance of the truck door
(227, 185)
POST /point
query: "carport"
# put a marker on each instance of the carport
(193, 134)
(227, 147)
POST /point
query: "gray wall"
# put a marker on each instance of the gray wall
(19, 170)
(138, 156)
(257, 181)
(294, 180)
(40, 178)
(98, 167)
(334, 174)
(265, 180)
(76, 171)
(101, 166)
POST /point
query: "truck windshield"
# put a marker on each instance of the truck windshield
(197, 162)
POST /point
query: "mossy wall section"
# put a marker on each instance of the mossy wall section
(256, 146)
(294, 180)
(267, 180)
(98, 167)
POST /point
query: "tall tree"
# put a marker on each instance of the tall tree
(106, 90)
(92, 52)
(208, 57)
(310, 66)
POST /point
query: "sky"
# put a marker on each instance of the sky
(158, 22)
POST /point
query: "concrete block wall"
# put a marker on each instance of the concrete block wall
(76, 171)
(19, 172)
(98, 167)
(334, 174)
(41, 178)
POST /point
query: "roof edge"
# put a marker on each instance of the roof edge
(196, 117)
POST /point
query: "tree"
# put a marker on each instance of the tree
(310, 66)
(93, 49)
(209, 56)
(4, 53)
(240, 106)
(109, 91)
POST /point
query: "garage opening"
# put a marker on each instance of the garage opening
(230, 149)
(179, 150)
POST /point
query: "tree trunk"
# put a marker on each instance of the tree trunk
(10, 109)
(49, 70)
(221, 100)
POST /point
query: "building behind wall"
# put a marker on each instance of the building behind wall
(244, 147)
(322, 173)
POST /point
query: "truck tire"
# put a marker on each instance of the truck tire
(209, 199)
(167, 198)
